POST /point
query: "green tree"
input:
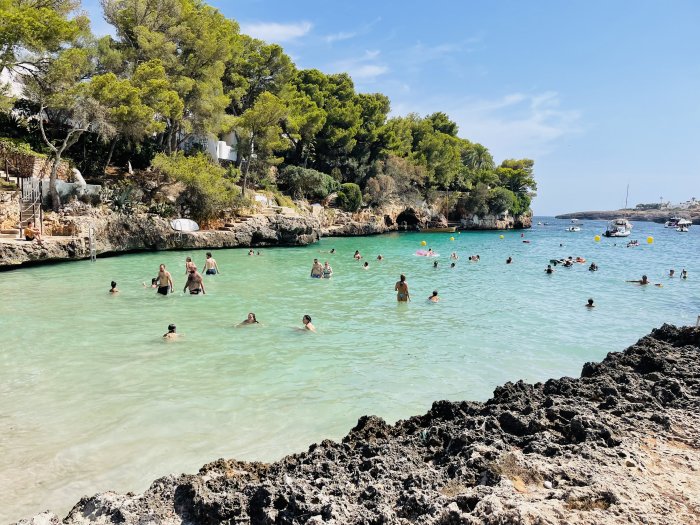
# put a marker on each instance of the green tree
(517, 176)
(210, 189)
(261, 133)
(307, 183)
(501, 200)
(350, 197)
(65, 100)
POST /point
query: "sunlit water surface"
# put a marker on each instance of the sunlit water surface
(92, 398)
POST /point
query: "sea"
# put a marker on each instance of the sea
(92, 398)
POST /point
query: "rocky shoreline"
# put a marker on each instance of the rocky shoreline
(620, 444)
(659, 216)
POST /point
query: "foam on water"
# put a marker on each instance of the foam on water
(92, 399)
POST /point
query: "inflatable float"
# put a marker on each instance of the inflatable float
(426, 253)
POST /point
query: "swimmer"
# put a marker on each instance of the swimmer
(113, 289)
(401, 289)
(684, 274)
(188, 265)
(454, 255)
(590, 304)
(549, 270)
(210, 266)
(380, 257)
(172, 334)
(327, 271)
(316, 270)
(671, 273)
(251, 252)
(509, 260)
(365, 266)
(307, 323)
(332, 251)
(453, 265)
(568, 263)
(593, 267)
(430, 252)
(644, 281)
(357, 255)
(249, 320)
(435, 265)
(434, 298)
(154, 283)
(195, 283)
(164, 281)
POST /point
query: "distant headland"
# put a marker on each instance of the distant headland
(643, 212)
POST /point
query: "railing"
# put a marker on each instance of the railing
(31, 194)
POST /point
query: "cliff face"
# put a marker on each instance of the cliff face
(620, 444)
(117, 233)
(660, 216)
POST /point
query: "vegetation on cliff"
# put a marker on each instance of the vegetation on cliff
(177, 74)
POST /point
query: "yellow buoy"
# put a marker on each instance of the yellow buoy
(501, 237)
(650, 240)
(452, 238)
(423, 243)
(596, 238)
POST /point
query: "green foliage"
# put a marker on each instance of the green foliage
(208, 190)
(501, 200)
(350, 197)
(307, 183)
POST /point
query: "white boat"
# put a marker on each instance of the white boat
(573, 229)
(618, 228)
(683, 225)
(672, 222)
(574, 221)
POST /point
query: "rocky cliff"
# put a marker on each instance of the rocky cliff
(120, 233)
(620, 444)
(660, 216)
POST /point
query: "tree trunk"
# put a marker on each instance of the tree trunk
(55, 198)
(111, 152)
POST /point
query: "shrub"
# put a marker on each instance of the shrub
(209, 189)
(307, 183)
(500, 200)
(350, 197)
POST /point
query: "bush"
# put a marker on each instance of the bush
(350, 197)
(500, 200)
(209, 189)
(307, 183)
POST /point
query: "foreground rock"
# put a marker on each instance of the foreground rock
(119, 233)
(621, 444)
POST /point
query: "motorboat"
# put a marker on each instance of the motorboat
(683, 225)
(438, 229)
(672, 222)
(573, 229)
(618, 228)
(574, 221)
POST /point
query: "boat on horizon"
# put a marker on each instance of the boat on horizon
(573, 229)
(618, 228)
(683, 225)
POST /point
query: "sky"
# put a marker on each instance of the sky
(600, 94)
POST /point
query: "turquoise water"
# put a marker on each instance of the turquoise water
(92, 398)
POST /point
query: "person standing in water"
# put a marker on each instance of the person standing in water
(327, 271)
(316, 270)
(165, 281)
(194, 283)
(401, 289)
(188, 265)
(113, 289)
(210, 266)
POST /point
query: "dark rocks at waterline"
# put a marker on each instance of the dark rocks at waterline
(621, 444)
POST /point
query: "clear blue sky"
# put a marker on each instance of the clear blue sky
(599, 93)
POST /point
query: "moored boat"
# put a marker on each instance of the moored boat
(573, 229)
(683, 225)
(618, 228)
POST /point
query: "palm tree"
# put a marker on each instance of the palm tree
(477, 158)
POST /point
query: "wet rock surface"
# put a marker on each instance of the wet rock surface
(620, 444)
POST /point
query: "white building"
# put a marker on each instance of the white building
(218, 149)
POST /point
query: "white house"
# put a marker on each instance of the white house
(218, 149)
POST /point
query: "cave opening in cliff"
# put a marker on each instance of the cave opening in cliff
(407, 220)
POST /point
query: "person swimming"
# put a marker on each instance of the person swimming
(434, 298)
(380, 257)
(210, 266)
(251, 252)
(593, 267)
(454, 255)
(509, 260)
(684, 274)
(357, 255)
(332, 250)
(113, 289)
(435, 264)
(154, 283)
(401, 289)
(549, 270)
(172, 333)
(590, 304)
(251, 319)
(306, 320)
(453, 265)
(365, 266)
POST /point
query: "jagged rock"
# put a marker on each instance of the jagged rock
(548, 453)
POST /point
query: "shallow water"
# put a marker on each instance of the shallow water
(92, 398)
